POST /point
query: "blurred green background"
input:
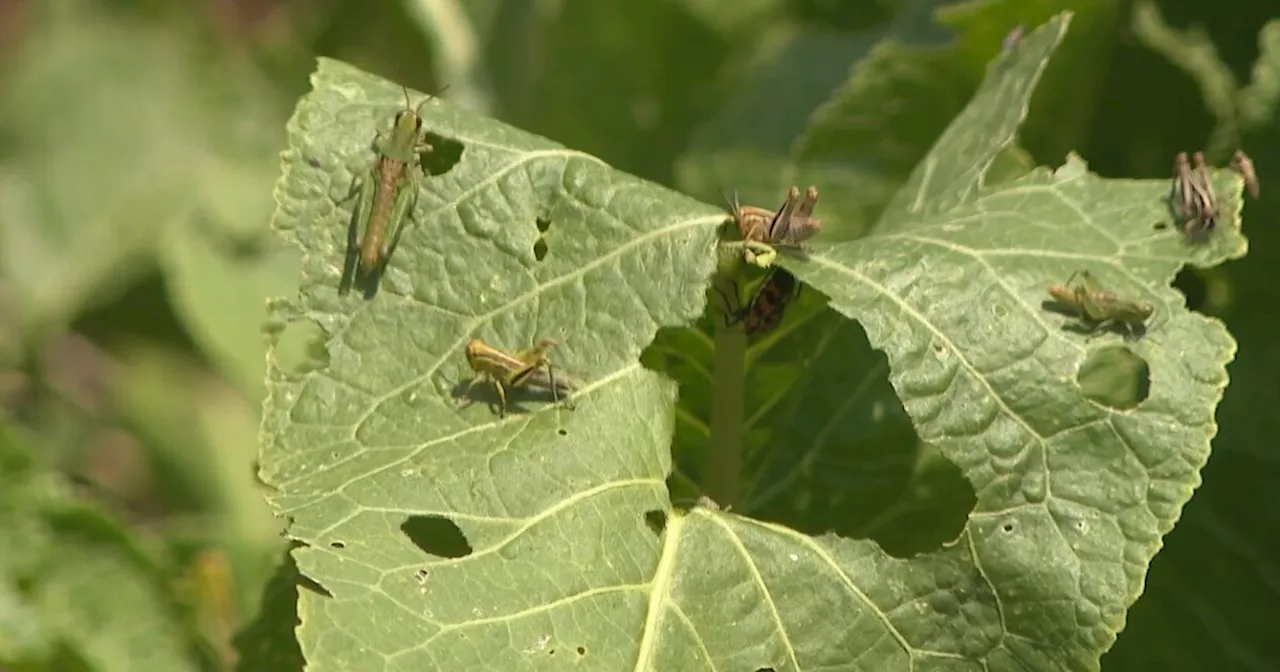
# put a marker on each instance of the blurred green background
(139, 146)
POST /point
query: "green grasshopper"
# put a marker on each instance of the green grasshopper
(508, 371)
(1098, 309)
(389, 190)
(788, 226)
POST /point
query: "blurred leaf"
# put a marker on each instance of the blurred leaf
(589, 74)
(76, 585)
(1259, 100)
(118, 135)
(455, 32)
(729, 17)
(746, 146)
(221, 292)
(1193, 52)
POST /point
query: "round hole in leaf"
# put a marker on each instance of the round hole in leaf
(1115, 377)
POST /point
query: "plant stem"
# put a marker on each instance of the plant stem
(723, 467)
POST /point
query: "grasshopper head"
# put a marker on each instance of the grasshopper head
(408, 120)
(475, 349)
(1062, 294)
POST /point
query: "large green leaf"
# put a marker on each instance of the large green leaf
(569, 550)
(1210, 593)
(625, 257)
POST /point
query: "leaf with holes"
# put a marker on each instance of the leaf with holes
(447, 538)
(1077, 470)
(542, 514)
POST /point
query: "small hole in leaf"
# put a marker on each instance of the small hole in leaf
(437, 536)
(582, 650)
(1160, 225)
(656, 521)
(540, 249)
(544, 224)
(337, 544)
(1007, 527)
(562, 432)
(1115, 377)
(444, 155)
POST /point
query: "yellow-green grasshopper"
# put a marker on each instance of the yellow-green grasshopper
(388, 192)
(789, 226)
(1098, 308)
(507, 371)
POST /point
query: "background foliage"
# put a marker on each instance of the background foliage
(139, 146)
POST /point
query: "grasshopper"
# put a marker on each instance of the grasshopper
(1192, 195)
(508, 371)
(389, 190)
(764, 312)
(1241, 163)
(788, 226)
(1098, 309)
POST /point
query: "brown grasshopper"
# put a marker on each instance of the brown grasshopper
(788, 226)
(1097, 308)
(508, 371)
(1241, 163)
(1193, 198)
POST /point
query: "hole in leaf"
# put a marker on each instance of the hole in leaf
(337, 544)
(300, 348)
(562, 432)
(444, 155)
(656, 521)
(1115, 377)
(540, 249)
(582, 650)
(1007, 528)
(1193, 287)
(436, 535)
(1160, 225)
(543, 224)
